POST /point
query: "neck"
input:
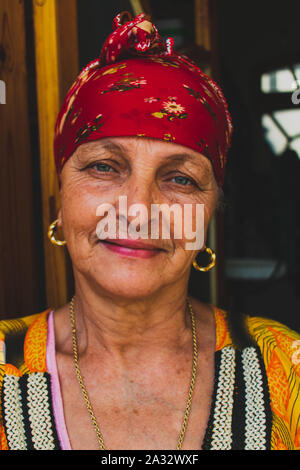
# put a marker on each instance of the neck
(120, 326)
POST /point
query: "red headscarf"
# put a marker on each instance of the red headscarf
(140, 87)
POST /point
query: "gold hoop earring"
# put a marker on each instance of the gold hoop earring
(51, 231)
(210, 265)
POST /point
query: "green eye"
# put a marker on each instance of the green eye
(103, 167)
(182, 180)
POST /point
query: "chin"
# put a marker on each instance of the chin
(122, 276)
(127, 284)
(128, 276)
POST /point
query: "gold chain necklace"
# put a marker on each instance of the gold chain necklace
(85, 394)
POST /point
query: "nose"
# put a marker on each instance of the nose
(136, 201)
(140, 192)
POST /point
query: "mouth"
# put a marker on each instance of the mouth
(134, 248)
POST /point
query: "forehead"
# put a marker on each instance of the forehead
(142, 147)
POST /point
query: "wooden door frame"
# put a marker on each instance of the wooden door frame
(57, 66)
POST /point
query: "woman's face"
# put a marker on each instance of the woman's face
(140, 171)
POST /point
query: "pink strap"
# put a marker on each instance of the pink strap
(57, 402)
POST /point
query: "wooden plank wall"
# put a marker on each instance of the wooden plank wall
(33, 273)
(19, 264)
(56, 50)
(203, 38)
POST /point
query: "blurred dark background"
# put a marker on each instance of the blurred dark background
(259, 53)
(253, 51)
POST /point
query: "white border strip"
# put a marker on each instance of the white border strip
(255, 428)
(222, 422)
(39, 412)
(13, 413)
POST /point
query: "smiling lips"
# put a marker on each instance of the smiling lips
(135, 248)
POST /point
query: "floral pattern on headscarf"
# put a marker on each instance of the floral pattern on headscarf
(140, 87)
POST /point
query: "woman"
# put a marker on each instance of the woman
(132, 362)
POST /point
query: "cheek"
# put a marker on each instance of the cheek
(78, 208)
(195, 225)
(209, 201)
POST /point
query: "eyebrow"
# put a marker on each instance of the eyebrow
(118, 148)
(181, 157)
(107, 146)
(114, 148)
(190, 158)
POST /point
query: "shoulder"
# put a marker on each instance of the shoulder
(280, 349)
(269, 335)
(276, 340)
(22, 340)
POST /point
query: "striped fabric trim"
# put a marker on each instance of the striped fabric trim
(256, 425)
(241, 416)
(39, 412)
(27, 412)
(12, 413)
(222, 420)
(238, 413)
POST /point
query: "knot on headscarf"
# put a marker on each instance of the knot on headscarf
(134, 35)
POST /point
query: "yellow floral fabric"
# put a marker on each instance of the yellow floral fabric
(279, 346)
